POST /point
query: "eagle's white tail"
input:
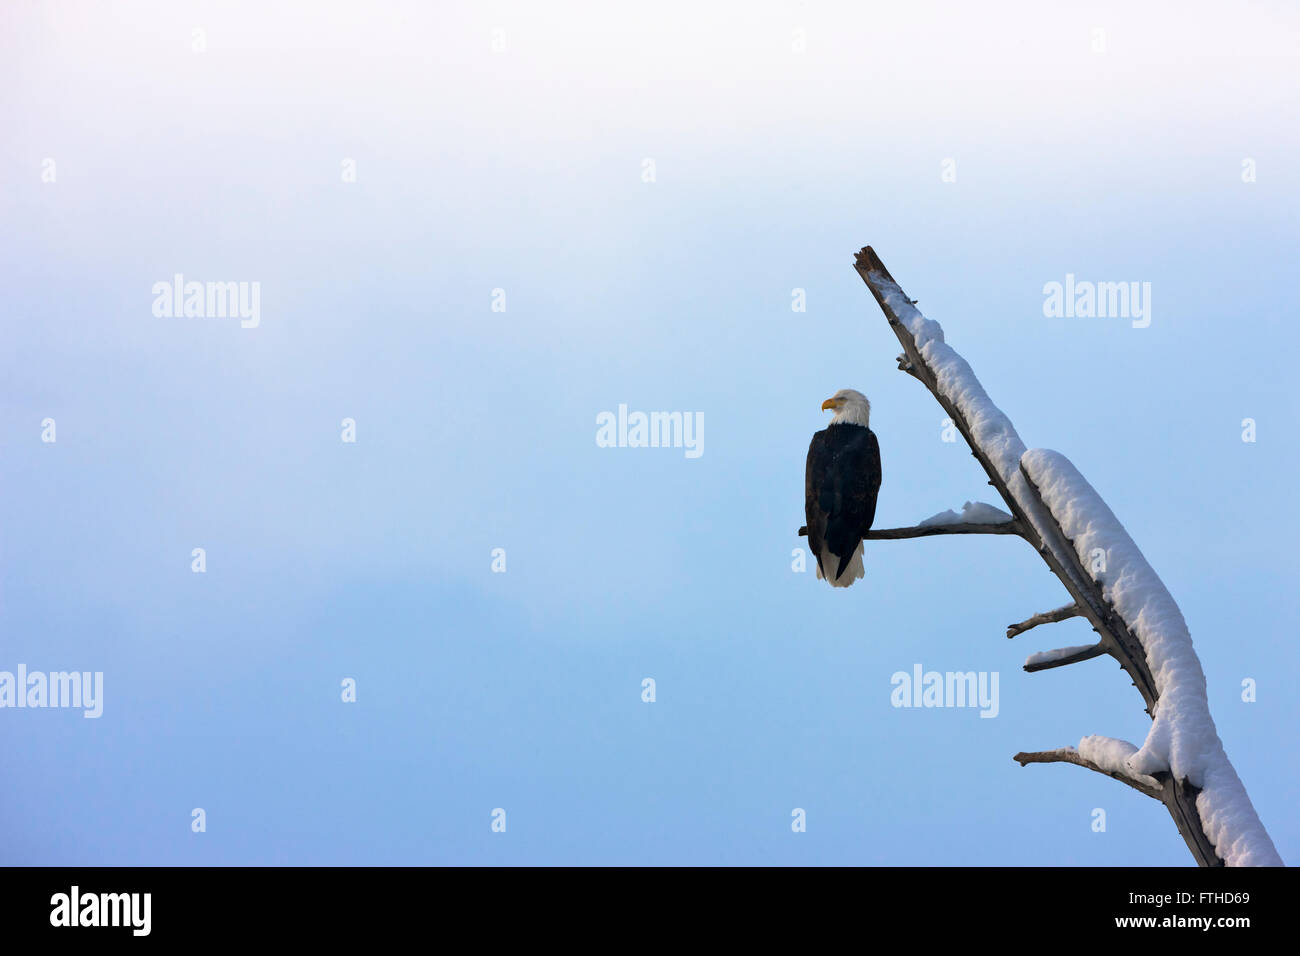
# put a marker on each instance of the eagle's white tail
(832, 561)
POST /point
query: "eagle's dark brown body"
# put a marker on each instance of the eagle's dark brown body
(841, 483)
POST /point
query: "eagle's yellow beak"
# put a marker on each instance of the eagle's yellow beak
(830, 403)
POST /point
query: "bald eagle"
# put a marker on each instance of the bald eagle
(840, 487)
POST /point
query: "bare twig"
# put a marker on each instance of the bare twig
(1046, 617)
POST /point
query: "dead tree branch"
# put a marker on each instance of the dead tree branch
(926, 530)
(1046, 617)
(1070, 755)
(1043, 531)
(1064, 656)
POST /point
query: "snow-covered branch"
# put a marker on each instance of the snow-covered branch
(1046, 660)
(1148, 785)
(1182, 762)
(927, 530)
(976, 517)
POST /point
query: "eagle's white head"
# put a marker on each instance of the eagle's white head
(851, 408)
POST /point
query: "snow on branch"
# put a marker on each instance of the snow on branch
(1183, 739)
(1045, 660)
(1101, 754)
(976, 518)
(1182, 762)
(972, 512)
(926, 530)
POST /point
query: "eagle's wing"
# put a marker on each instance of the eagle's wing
(841, 482)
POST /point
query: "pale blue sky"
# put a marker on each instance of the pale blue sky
(522, 170)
